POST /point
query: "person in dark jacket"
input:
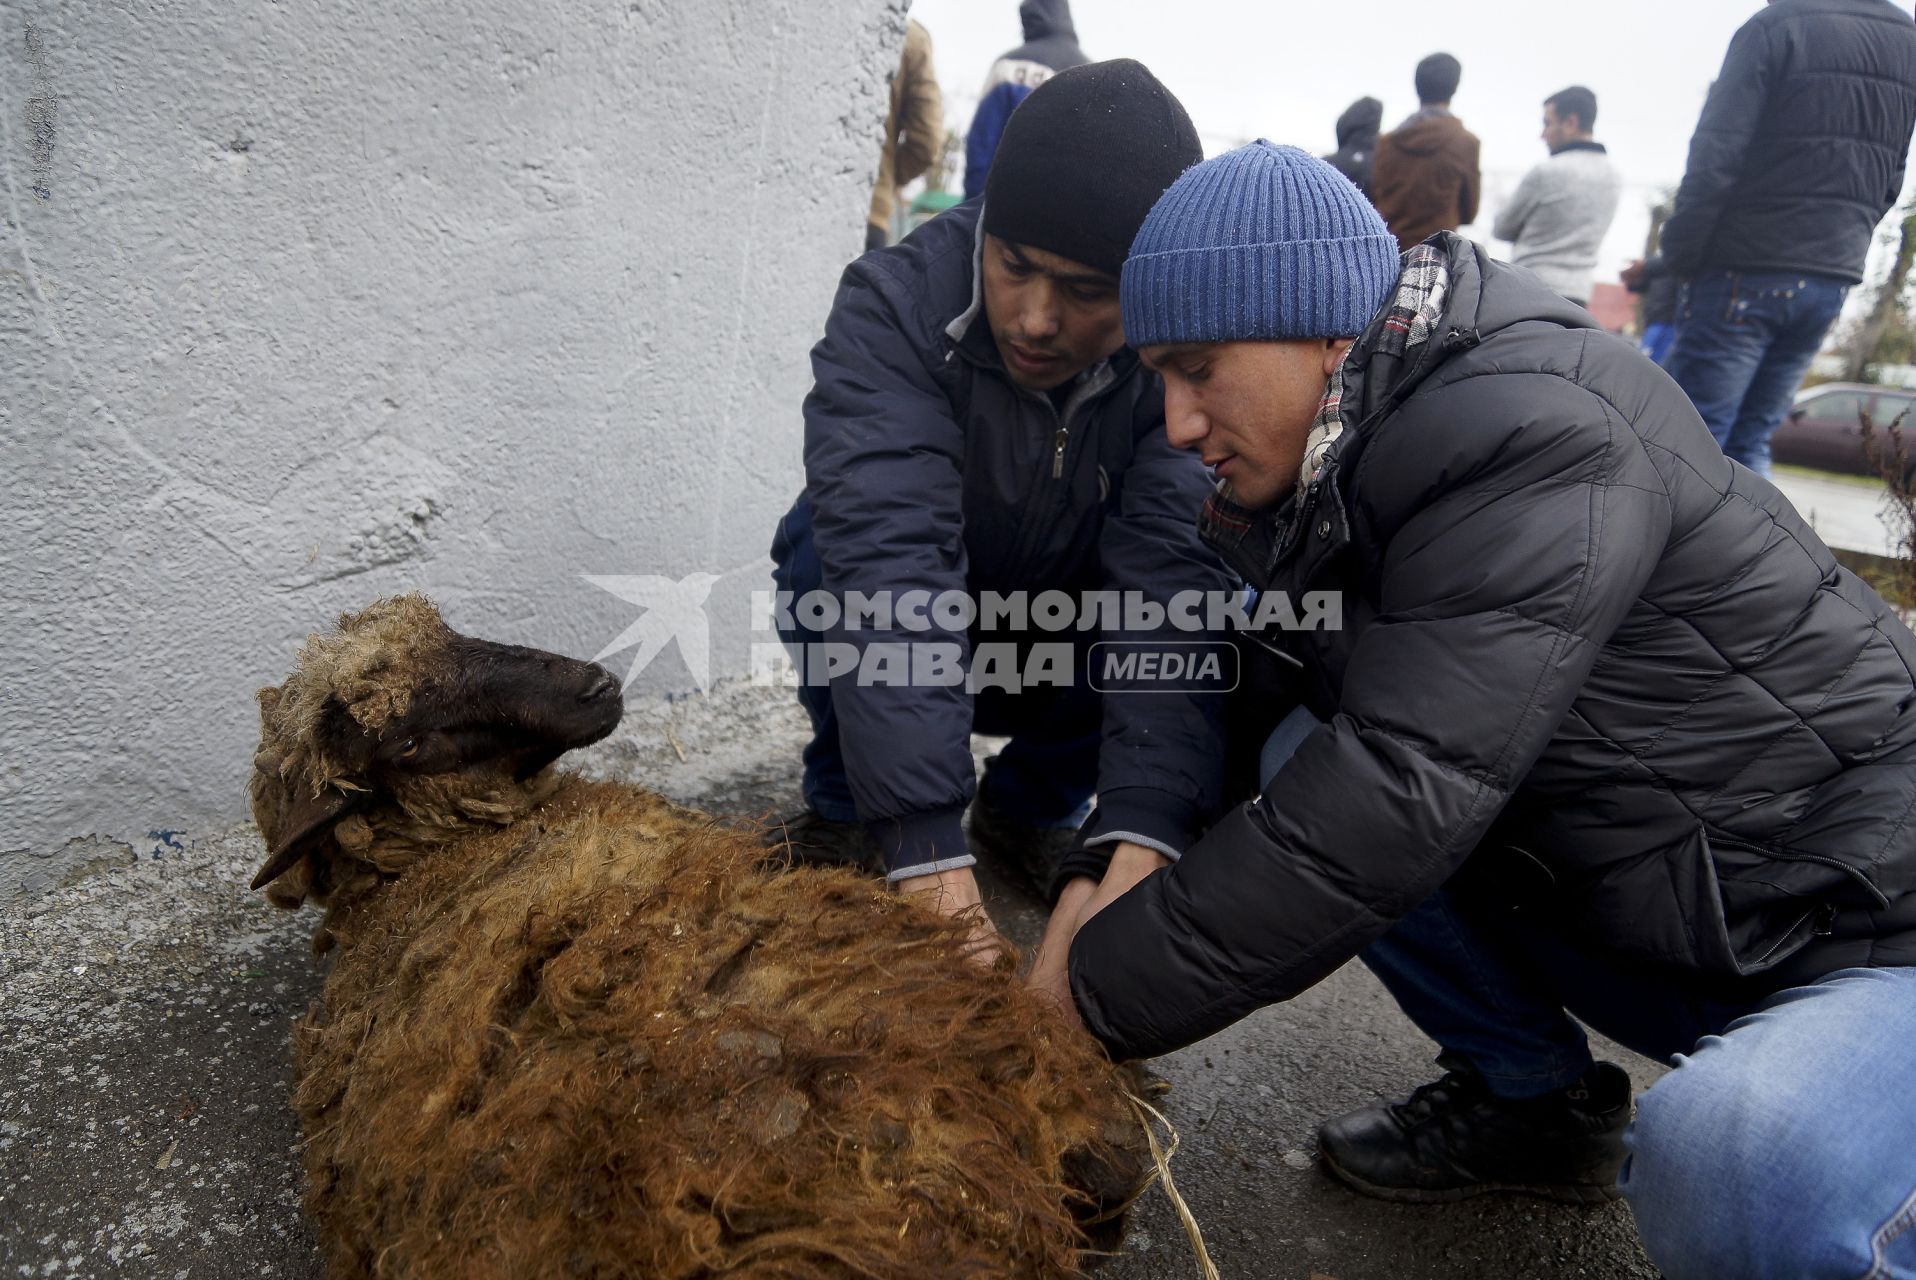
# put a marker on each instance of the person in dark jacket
(1357, 141)
(1661, 293)
(1425, 177)
(1051, 46)
(1605, 730)
(1799, 152)
(976, 425)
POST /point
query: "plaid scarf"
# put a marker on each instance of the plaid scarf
(1415, 309)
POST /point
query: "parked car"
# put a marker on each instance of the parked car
(1824, 426)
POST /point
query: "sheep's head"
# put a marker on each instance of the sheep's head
(397, 708)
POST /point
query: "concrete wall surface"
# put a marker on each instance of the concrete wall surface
(301, 305)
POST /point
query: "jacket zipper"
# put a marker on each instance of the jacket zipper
(1061, 440)
(1076, 403)
(1080, 401)
(1856, 874)
(1029, 522)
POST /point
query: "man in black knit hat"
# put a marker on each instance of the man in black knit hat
(978, 431)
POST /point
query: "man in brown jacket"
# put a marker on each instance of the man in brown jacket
(1425, 178)
(914, 131)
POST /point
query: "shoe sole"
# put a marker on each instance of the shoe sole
(1566, 1193)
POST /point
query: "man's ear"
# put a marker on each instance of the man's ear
(1334, 349)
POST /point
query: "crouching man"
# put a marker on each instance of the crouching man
(1607, 732)
(979, 431)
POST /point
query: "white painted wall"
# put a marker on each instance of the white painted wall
(301, 305)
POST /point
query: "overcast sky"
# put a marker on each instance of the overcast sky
(1285, 70)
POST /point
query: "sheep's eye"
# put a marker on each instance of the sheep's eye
(408, 749)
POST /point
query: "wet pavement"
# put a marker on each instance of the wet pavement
(144, 1129)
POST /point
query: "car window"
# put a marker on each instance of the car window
(1889, 406)
(1844, 407)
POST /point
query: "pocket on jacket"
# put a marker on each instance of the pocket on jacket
(1673, 907)
(1766, 904)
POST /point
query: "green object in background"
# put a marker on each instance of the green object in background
(927, 205)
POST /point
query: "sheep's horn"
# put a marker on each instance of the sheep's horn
(292, 821)
(279, 864)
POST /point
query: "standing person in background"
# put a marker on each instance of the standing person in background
(1560, 212)
(1659, 316)
(1659, 289)
(1799, 153)
(1357, 141)
(914, 130)
(1425, 178)
(1051, 45)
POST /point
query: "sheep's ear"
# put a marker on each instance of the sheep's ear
(292, 820)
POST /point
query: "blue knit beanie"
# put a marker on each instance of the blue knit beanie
(1264, 242)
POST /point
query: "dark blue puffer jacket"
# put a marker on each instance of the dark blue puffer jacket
(927, 468)
(1801, 147)
(1051, 45)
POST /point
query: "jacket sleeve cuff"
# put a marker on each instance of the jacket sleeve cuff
(1137, 838)
(916, 840)
(929, 868)
(1153, 818)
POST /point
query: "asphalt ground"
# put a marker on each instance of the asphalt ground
(144, 1067)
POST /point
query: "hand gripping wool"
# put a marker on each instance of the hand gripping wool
(574, 1030)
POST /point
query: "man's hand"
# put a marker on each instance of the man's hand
(1083, 898)
(1633, 277)
(1050, 965)
(955, 893)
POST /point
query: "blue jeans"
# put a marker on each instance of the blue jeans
(1743, 342)
(1045, 775)
(1782, 1145)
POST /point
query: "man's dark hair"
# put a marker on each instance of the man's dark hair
(1437, 78)
(1575, 101)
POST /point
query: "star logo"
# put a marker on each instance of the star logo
(674, 611)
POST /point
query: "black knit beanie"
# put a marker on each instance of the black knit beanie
(1083, 159)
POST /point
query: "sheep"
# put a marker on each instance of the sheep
(572, 1029)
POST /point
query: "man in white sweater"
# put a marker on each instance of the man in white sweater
(1558, 215)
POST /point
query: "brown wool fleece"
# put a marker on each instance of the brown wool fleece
(589, 1033)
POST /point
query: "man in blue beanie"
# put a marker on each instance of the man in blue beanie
(978, 429)
(1605, 731)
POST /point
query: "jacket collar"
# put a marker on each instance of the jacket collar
(1431, 112)
(960, 326)
(1379, 374)
(1582, 144)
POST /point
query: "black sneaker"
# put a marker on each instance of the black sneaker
(809, 839)
(1454, 1138)
(1028, 854)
